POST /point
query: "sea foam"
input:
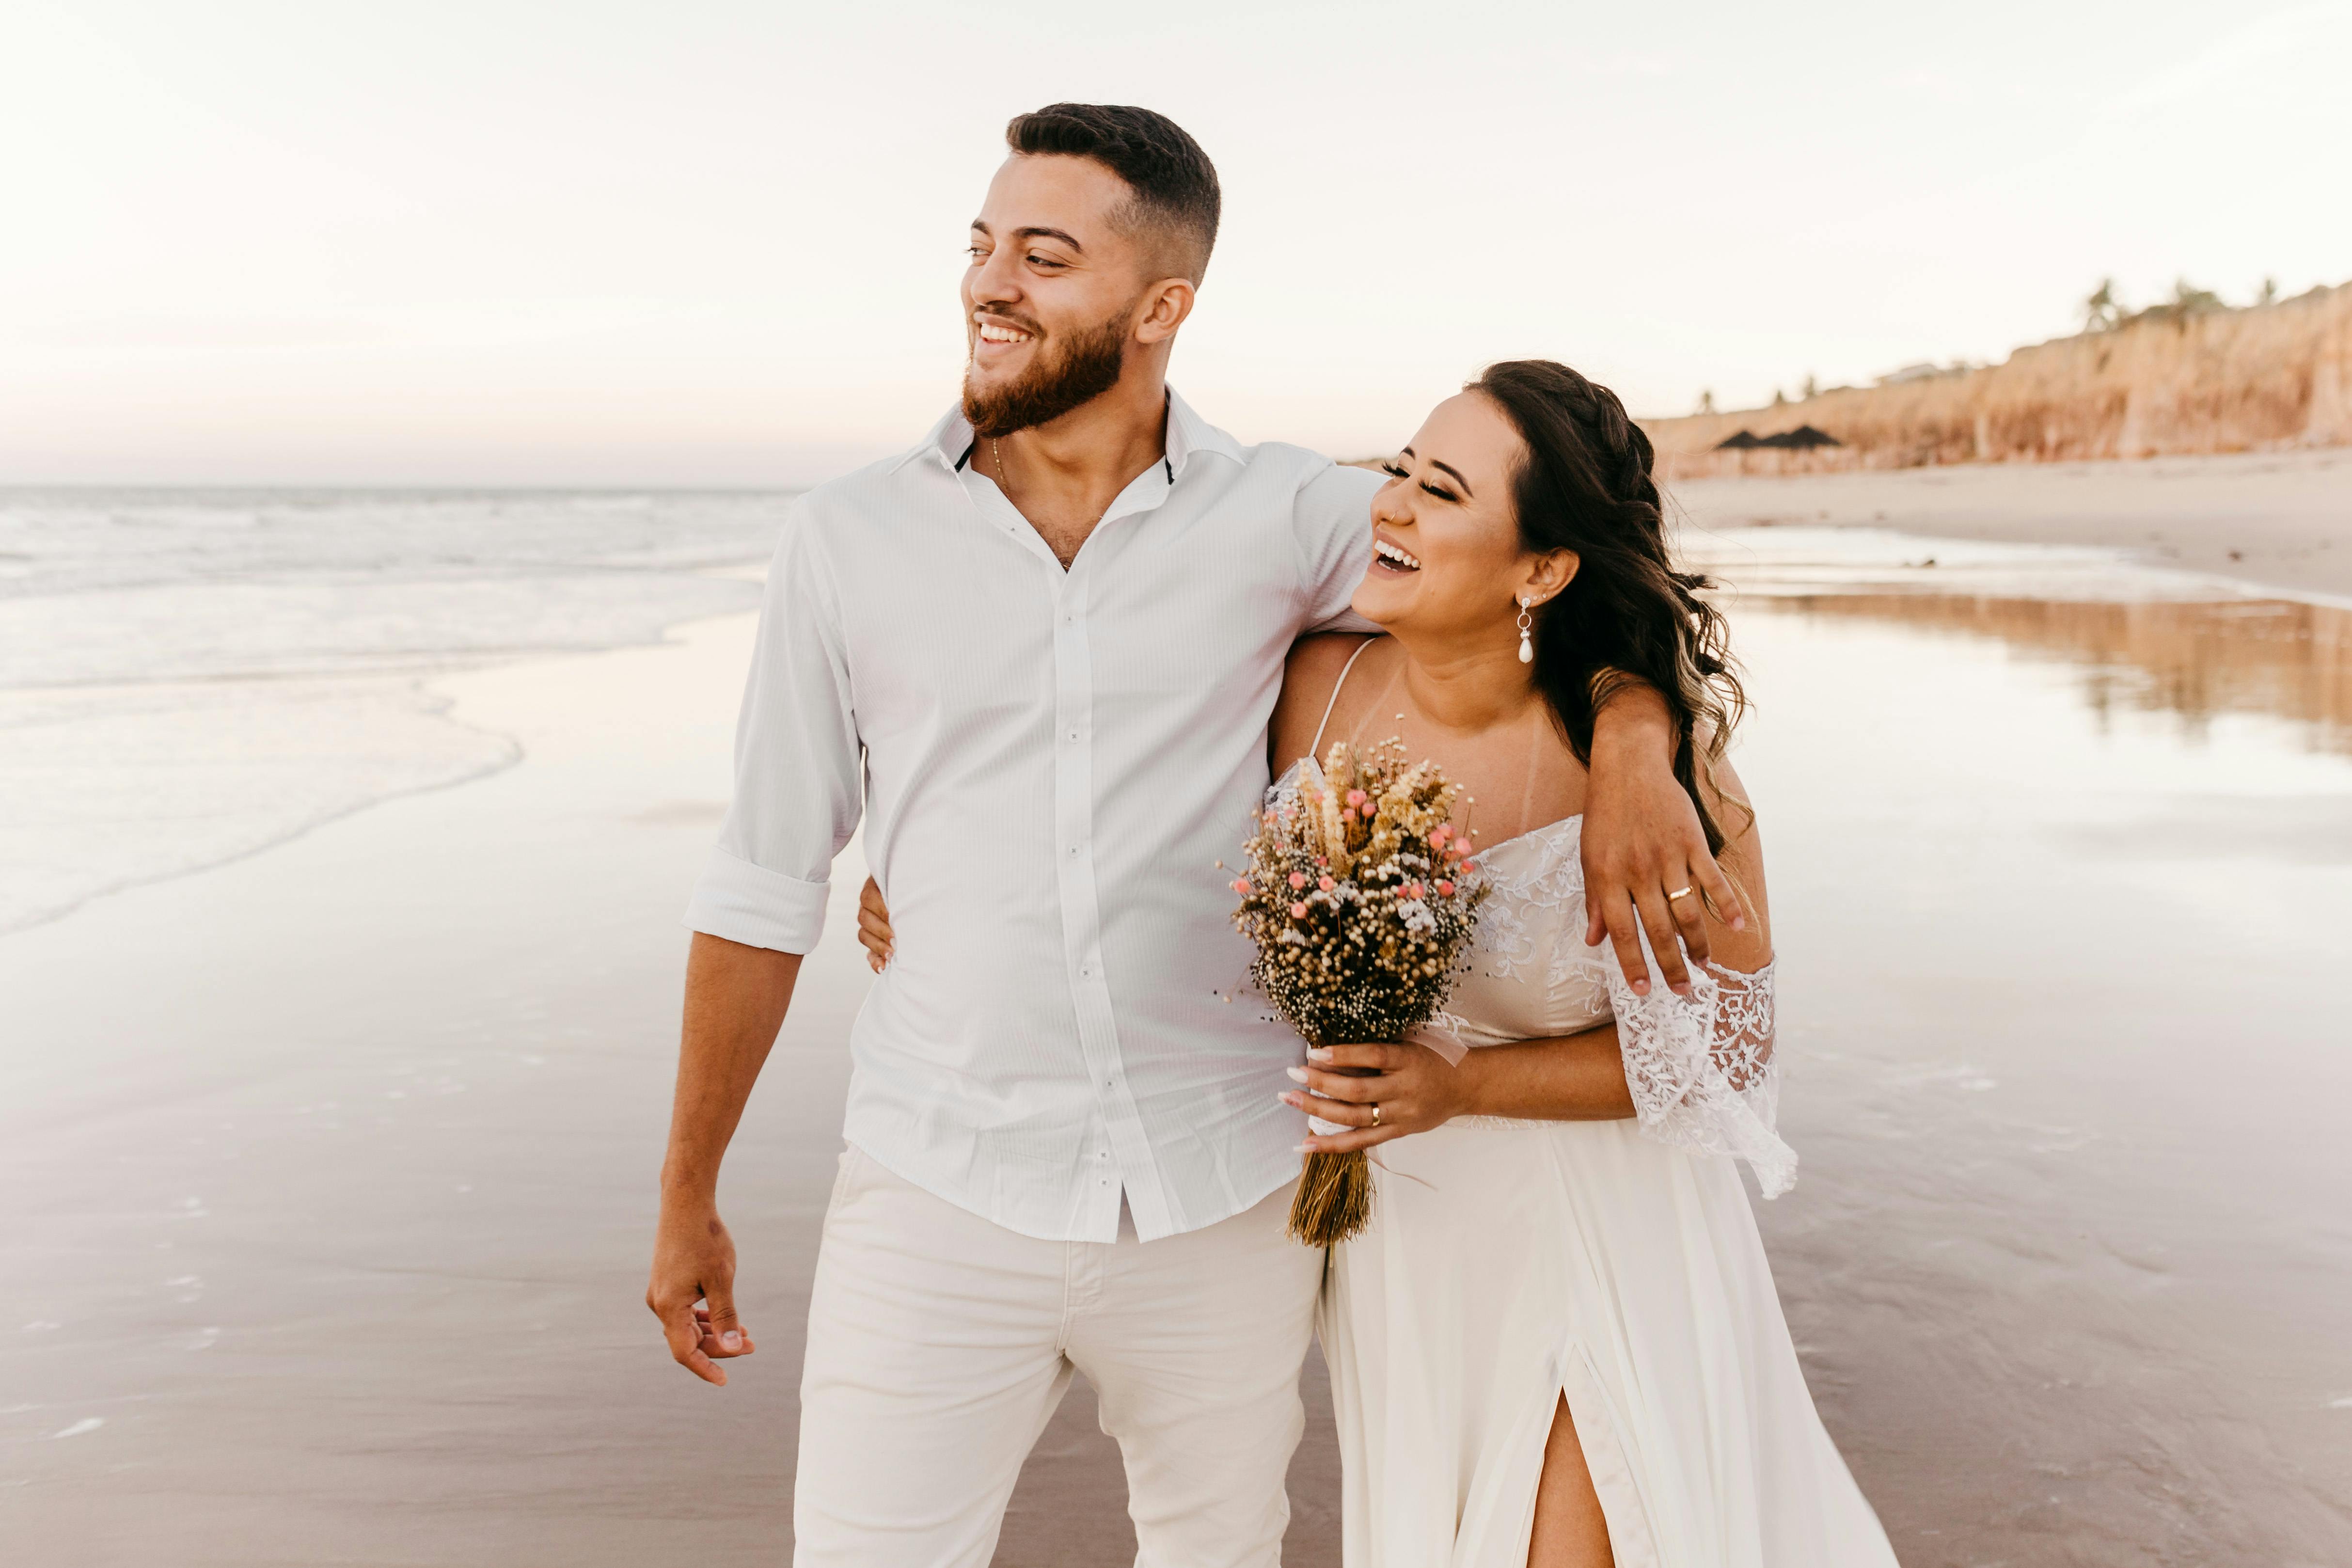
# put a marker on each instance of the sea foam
(186, 677)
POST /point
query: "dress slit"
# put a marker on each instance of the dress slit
(1614, 1480)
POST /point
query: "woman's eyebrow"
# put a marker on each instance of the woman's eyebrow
(1455, 471)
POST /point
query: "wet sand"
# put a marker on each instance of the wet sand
(2280, 518)
(328, 1177)
(327, 1173)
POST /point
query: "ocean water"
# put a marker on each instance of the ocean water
(186, 677)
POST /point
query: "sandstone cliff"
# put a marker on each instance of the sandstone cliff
(2266, 376)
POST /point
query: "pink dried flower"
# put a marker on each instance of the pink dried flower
(1241, 886)
(1325, 883)
(1444, 890)
(1299, 911)
(1412, 889)
(1298, 878)
(1355, 797)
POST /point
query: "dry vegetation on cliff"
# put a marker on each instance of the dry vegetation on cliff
(2171, 380)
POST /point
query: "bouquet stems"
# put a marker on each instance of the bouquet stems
(1334, 1200)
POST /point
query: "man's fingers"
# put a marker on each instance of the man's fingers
(725, 1326)
(1624, 935)
(1711, 879)
(1659, 921)
(684, 1336)
(713, 1341)
(1690, 919)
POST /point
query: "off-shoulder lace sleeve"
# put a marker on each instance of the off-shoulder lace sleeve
(1701, 1067)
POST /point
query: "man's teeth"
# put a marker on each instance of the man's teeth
(1395, 556)
(995, 332)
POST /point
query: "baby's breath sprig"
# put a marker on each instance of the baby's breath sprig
(1361, 899)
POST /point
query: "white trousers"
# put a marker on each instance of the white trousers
(939, 1345)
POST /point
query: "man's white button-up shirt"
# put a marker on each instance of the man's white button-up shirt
(1051, 765)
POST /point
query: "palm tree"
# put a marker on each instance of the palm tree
(2103, 311)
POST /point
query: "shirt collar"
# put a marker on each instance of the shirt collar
(951, 440)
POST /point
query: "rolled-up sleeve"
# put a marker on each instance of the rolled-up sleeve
(797, 771)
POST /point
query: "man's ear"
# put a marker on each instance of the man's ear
(1162, 310)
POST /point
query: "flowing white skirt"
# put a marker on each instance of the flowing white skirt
(1509, 1265)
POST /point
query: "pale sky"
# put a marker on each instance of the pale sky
(698, 242)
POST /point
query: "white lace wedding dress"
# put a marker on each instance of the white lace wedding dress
(1617, 1263)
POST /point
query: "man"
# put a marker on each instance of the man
(1039, 652)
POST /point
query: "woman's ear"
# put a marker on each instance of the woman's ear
(1550, 573)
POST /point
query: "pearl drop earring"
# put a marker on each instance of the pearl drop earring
(1527, 626)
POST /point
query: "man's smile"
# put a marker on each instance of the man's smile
(994, 337)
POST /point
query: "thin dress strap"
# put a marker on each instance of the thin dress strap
(1315, 751)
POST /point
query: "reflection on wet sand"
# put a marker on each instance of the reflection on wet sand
(2196, 659)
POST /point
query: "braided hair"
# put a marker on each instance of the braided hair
(1628, 618)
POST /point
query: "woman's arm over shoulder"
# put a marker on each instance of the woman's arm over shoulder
(1308, 677)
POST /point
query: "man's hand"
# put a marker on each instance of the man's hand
(736, 997)
(693, 1289)
(873, 927)
(1415, 1089)
(1642, 842)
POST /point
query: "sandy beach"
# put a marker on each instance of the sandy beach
(329, 1178)
(331, 1168)
(2281, 520)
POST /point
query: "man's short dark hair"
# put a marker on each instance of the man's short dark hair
(1175, 184)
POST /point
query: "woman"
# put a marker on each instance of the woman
(1558, 1343)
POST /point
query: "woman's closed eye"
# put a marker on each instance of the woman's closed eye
(1396, 470)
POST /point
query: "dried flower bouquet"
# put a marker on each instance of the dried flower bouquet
(1362, 898)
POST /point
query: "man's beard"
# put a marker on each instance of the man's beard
(1087, 366)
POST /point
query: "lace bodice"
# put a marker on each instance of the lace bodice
(1701, 1069)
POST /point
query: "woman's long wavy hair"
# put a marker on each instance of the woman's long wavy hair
(1628, 615)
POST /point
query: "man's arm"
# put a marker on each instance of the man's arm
(758, 907)
(1643, 841)
(736, 997)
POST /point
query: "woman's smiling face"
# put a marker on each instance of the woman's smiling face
(1446, 557)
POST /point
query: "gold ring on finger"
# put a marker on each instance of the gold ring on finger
(1376, 1113)
(1679, 893)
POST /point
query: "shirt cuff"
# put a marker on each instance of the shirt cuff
(757, 907)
